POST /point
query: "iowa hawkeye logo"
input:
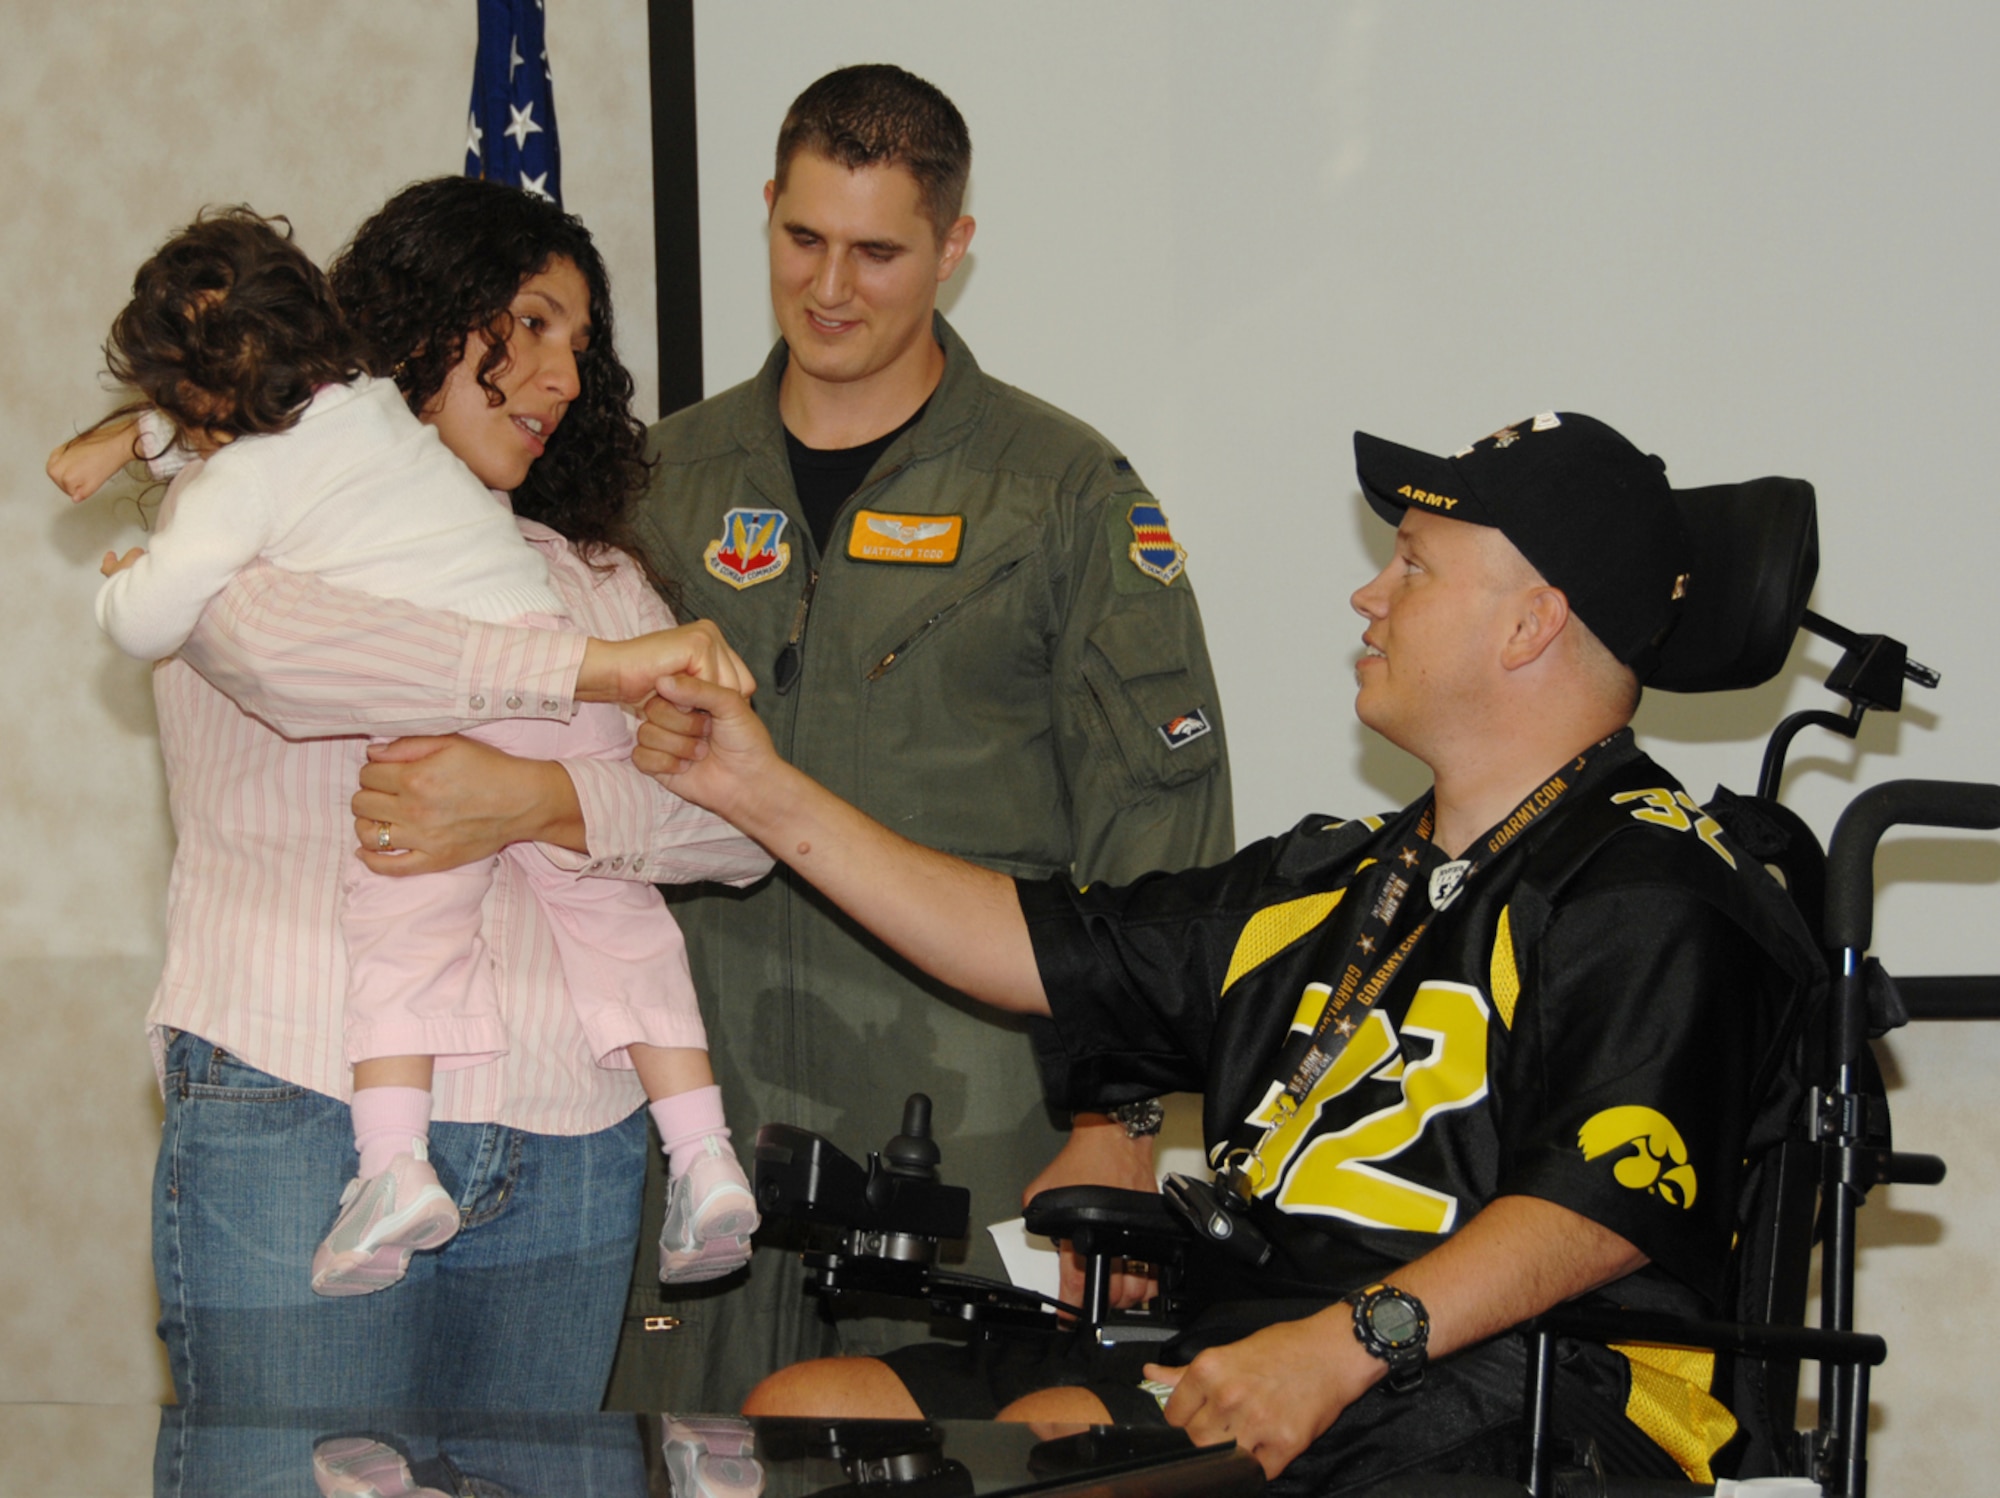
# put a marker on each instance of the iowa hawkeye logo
(749, 551)
(1656, 1158)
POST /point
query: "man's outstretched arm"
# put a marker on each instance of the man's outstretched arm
(958, 922)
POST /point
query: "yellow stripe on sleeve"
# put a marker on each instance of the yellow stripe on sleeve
(1276, 927)
(1503, 980)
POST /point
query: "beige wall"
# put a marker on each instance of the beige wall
(120, 121)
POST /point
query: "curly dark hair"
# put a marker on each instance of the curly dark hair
(443, 259)
(877, 114)
(231, 327)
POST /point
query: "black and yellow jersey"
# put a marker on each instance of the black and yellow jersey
(1604, 1014)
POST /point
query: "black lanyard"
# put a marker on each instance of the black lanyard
(1381, 947)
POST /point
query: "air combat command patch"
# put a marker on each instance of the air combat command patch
(1155, 552)
(749, 550)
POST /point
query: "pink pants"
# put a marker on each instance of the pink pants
(419, 977)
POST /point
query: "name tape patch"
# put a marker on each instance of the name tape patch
(925, 540)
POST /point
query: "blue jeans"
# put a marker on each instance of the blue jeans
(521, 1311)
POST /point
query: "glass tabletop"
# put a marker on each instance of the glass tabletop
(111, 1451)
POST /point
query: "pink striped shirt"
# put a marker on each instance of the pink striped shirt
(259, 793)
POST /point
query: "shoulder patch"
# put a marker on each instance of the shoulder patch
(1154, 551)
(749, 550)
(1185, 728)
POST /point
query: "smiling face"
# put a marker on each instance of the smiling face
(855, 269)
(551, 315)
(1439, 619)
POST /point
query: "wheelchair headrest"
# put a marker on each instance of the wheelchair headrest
(1756, 551)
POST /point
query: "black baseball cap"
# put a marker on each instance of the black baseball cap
(1593, 514)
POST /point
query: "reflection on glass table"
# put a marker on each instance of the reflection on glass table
(124, 1452)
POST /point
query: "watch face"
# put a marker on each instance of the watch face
(1394, 1320)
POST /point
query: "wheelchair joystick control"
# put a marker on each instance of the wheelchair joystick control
(913, 1153)
(876, 1227)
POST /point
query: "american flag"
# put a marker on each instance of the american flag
(511, 136)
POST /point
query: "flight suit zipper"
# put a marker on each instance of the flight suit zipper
(882, 667)
(785, 670)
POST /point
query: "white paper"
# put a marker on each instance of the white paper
(1032, 1263)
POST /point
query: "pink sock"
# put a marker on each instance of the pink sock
(386, 1119)
(685, 1120)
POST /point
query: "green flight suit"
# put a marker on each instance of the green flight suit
(1014, 706)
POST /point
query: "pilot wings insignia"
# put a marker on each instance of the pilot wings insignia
(905, 534)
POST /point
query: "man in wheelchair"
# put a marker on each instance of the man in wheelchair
(1508, 1047)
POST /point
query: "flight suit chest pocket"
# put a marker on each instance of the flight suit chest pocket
(1150, 708)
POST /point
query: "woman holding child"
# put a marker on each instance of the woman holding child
(489, 309)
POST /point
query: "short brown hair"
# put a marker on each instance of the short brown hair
(231, 328)
(877, 114)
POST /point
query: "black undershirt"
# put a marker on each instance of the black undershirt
(826, 477)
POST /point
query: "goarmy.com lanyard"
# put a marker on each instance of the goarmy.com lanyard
(1378, 954)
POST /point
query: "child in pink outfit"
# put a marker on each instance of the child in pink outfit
(282, 449)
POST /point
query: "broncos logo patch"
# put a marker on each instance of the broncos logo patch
(1657, 1162)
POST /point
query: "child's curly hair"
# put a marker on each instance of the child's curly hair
(444, 258)
(231, 327)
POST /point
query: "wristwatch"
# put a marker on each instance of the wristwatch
(1393, 1325)
(1142, 1119)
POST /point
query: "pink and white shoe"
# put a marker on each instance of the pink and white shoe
(711, 1456)
(383, 1220)
(358, 1467)
(710, 1217)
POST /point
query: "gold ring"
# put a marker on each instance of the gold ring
(381, 837)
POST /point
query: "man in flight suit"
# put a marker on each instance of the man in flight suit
(968, 616)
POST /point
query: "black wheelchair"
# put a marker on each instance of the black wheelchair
(881, 1224)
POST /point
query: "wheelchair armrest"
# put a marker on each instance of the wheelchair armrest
(1855, 1351)
(1810, 1343)
(1908, 1169)
(1106, 1223)
(1104, 1219)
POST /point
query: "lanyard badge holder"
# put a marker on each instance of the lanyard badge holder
(1377, 952)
